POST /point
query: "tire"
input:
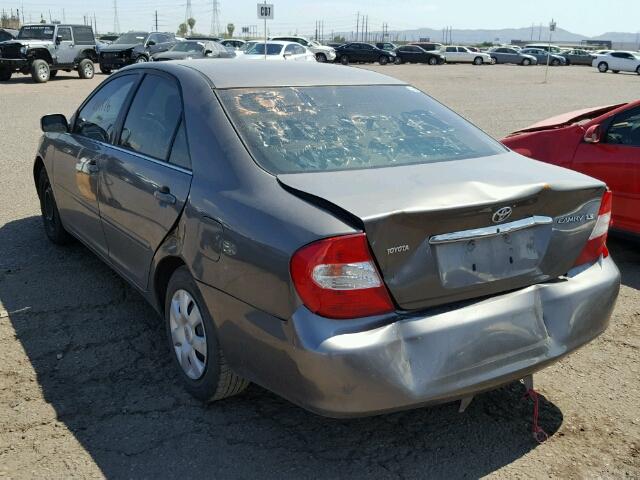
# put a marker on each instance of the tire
(5, 75)
(526, 62)
(603, 67)
(478, 61)
(638, 70)
(53, 74)
(141, 59)
(555, 62)
(344, 60)
(50, 214)
(105, 70)
(398, 61)
(615, 71)
(432, 61)
(494, 60)
(567, 62)
(86, 70)
(383, 60)
(206, 375)
(321, 57)
(40, 71)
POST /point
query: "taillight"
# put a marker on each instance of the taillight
(597, 243)
(337, 278)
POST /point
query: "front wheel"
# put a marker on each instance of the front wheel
(40, 71)
(105, 70)
(344, 60)
(638, 70)
(526, 62)
(141, 59)
(53, 74)
(194, 343)
(85, 69)
(603, 67)
(555, 62)
(383, 60)
(320, 57)
(432, 61)
(478, 61)
(615, 71)
(50, 214)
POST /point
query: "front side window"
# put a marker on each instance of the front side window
(299, 50)
(259, 48)
(625, 129)
(289, 49)
(153, 117)
(302, 129)
(64, 34)
(190, 47)
(97, 118)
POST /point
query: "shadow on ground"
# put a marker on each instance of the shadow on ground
(626, 253)
(101, 361)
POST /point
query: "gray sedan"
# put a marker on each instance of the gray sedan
(543, 56)
(191, 49)
(511, 55)
(334, 235)
(578, 57)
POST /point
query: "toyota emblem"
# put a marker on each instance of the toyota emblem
(502, 214)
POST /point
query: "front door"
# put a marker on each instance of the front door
(65, 50)
(146, 177)
(616, 161)
(80, 156)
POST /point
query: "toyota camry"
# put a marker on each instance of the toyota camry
(332, 234)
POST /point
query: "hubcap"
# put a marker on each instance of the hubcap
(88, 70)
(188, 334)
(43, 72)
(48, 204)
(141, 60)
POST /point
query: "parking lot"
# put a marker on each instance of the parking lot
(87, 388)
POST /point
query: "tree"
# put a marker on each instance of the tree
(230, 28)
(192, 23)
(182, 30)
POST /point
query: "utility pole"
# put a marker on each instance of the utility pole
(116, 22)
(64, 17)
(188, 12)
(552, 27)
(156, 20)
(215, 19)
(357, 24)
(95, 23)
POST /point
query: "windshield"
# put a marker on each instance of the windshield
(36, 32)
(131, 38)
(191, 47)
(258, 49)
(305, 129)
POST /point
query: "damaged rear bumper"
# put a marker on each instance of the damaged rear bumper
(369, 366)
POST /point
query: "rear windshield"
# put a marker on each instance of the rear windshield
(305, 129)
(36, 32)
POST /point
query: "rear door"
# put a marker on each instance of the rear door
(616, 161)
(451, 54)
(146, 178)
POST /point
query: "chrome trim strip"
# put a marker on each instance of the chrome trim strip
(492, 231)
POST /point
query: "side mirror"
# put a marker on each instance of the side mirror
(58, 39)
(592, 135)
(55, 123)
(150, 43)
(208, 53)
(287, 54)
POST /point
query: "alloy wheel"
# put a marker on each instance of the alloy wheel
(188, 334)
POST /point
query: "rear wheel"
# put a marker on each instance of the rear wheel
(344, 60)
(638, 70)
(321, 57)
(53, 74)
(40, 71)
(555, 62)
(432, 61)
(383, 60)
(478, 61)
(603, 67)
(86, 69)
(5, 74)
(141, 59)
(105, 70)
(194, 343)
(526, 62)
(615, 71)
(494, 60)
(50, 214)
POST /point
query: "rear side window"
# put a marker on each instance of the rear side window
(97, 119)
(83, 35)
(180, 149)
(302, 129)
(153, 118)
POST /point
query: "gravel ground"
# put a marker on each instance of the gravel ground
(87, 388)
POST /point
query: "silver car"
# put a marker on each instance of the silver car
(334, 235)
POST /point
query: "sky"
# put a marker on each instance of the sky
(587, 17)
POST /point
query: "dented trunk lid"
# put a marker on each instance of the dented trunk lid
(436, 232)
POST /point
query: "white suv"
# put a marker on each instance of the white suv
(322, 52)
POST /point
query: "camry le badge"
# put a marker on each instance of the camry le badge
(502, 214)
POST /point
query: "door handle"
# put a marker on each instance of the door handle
(163, 195)
(92, 167)
(85, 165)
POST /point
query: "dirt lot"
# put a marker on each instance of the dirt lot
(87, 388)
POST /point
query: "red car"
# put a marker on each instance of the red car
(603, 142)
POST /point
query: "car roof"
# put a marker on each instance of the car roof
(231, 73)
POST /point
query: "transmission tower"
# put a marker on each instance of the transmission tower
(116, 22)
(215, 18)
